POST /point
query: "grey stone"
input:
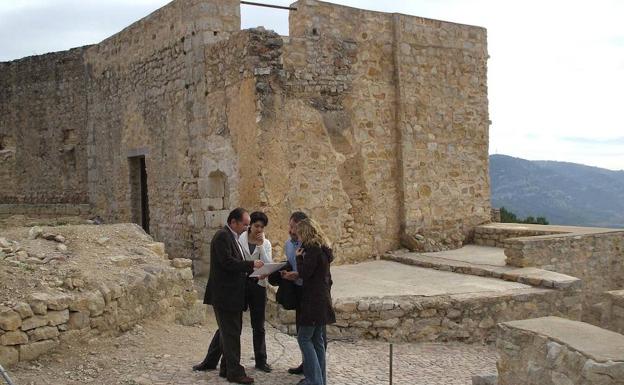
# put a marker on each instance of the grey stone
(33, 350)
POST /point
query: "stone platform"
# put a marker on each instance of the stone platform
(398, 302)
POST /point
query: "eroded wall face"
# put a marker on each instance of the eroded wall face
(43, 129)
(161, 89)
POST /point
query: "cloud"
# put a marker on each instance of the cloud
(619, 141)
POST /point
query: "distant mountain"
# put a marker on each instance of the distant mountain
(564, 193)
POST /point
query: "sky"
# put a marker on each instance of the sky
(555, 73)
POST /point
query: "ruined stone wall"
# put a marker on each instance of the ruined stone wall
(594, 258)
(159, 89)
(379, 127)
(43, 112)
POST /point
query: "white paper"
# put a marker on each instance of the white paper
(267, 269)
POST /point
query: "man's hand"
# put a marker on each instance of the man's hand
(299, 251)
(290, 275)
(258, 264)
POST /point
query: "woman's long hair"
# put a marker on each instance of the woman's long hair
(311, 234)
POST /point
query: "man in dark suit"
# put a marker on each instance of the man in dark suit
(225, 291)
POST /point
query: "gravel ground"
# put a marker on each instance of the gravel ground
(159, 353)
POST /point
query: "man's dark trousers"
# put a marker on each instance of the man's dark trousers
(230, 327)
(256, 299)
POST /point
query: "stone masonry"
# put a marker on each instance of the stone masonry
(374, 123)
(554, 351)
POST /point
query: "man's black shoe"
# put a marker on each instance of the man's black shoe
(222, 374)
(241, 380)
(297, 370)
(203, 367)
(264, 367)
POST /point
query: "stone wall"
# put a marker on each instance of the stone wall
(43, 114)
(553, 351)
(350, 140)
(496, 235)
(47, 320)
(613, 311)
(375, 124)
(461, 317)
(45, 210)
(596, 259)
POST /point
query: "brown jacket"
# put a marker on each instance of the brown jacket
(315, 307)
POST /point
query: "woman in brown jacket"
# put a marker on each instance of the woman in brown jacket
(315, 309)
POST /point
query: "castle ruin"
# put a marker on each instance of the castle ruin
(374, 123)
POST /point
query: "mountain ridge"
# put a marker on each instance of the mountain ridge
(565, 193)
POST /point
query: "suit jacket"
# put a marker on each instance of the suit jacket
(228, 272)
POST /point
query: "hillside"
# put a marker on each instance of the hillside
(565, 193)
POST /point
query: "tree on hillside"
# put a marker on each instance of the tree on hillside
(509, 217)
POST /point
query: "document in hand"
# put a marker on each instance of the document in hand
(267, 269)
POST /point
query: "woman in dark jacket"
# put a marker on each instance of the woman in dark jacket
(315, 309)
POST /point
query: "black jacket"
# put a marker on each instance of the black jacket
(315, 307)
(228, 272)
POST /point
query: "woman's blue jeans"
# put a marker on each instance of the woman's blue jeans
(312, 347)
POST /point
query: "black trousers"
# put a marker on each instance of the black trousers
(230, 326)
(255, 296)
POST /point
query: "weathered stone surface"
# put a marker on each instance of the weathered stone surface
(9, 319)
(33, 350)
(57, 317)
(34, 322)
(78, 320)
(488, 379)
(9, 355)
(158, 248)
(13, 338)
(91, 302)
(43, 333)
(181, 263)
(23, 309)
(553, 350)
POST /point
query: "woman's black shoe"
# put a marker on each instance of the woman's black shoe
(264, 367)
(297, 370)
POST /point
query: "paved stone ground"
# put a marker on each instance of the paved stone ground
(158, 354)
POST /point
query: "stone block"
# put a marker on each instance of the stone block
(181, 263)
(91, 302)
(158, 248)
(33, 350)
(78, 320)
(57, 317)
(16, 337)
(9, 319)
(9, 356)
(34, 322)
(43, 333)
(23, 309)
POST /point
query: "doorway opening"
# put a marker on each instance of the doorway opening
(138, 191)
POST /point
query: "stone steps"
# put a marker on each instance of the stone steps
(527, 275)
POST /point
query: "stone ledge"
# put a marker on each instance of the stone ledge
(591, 341)
(51, 209)
(553, 350)
(529, 276)
(468, 317)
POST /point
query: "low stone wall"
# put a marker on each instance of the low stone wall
(495, 235)
(613, 311)
(595, 258)
(464, 317)
(46, 320)
(46, 210)
(553, 351)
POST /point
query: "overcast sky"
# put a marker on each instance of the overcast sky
(555, 74)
